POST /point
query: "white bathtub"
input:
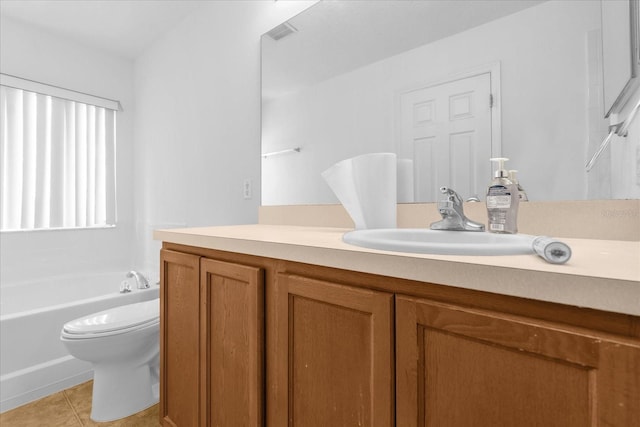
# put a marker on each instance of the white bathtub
(33, 361)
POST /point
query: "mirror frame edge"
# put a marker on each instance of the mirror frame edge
(633, 83)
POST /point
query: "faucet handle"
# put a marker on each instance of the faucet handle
(447, 190)
(125, 287)
(452, 212)
(451, 195)
(445, 205)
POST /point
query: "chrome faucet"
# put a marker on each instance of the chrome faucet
(453, 217)
(141, 281)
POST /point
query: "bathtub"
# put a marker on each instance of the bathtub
(33, 361)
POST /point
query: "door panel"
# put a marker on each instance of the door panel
(333, 354)
(179, 339)
(446, 131)
(232, 326)
(465, 367)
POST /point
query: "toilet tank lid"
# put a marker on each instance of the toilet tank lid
(113, 319)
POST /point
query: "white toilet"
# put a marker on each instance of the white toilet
(122, 343)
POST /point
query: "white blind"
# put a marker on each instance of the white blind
(58, 162)
(58, 92)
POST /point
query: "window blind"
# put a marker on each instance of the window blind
(58, 162)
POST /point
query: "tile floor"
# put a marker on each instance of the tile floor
(70, 408)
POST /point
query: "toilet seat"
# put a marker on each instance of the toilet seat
(114, 321)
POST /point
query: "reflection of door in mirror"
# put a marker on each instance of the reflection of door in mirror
(446, 132)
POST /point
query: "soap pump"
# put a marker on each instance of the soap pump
(502, 201)
(521, 193)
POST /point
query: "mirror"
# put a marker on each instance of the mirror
(445, 85)
(621, 66)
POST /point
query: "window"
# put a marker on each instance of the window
(57, 158)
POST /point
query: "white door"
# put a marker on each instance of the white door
(446, 131)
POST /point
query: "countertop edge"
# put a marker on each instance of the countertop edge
(601, 293)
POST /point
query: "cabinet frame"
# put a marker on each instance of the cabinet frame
(191, 285)
(182, 346)
(607, 332)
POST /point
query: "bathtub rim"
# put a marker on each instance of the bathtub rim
(33, 311)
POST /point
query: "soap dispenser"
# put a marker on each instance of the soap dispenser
(521, 193)
(502, 201)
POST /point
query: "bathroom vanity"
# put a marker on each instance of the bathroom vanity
(289, 326)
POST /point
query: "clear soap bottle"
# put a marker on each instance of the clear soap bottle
(521, 193)
(502, 201)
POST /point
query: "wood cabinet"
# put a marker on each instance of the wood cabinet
(506, 370)
(212, 342)
(333, 352)
(253, 341)
(232, 344)
(179, 339)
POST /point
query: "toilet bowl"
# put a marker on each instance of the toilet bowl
(122, 343)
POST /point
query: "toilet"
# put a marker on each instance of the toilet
(122, 343)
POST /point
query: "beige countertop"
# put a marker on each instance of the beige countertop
(602, 274)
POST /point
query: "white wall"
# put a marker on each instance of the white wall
(544, 105)
(198, 119)
(197, 132)
(34, 54)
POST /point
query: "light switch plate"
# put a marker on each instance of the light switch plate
(246, 189)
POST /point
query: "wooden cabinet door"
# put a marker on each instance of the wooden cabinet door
(463, 367)
(179, 339)
(330, 355)
(232, 336)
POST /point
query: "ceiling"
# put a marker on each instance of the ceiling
(122, 27)
(334, 37)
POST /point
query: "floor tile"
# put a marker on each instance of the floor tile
(50, 411)
(146, 418)
(71, 408)
(80, 399)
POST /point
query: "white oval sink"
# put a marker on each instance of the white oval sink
(426, 241)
